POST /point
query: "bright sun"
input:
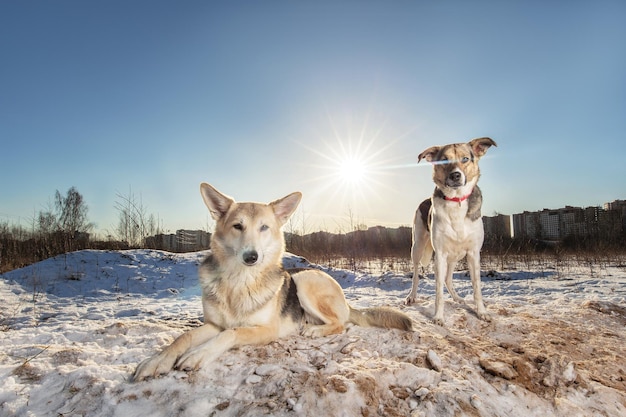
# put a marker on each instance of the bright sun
(352, 170)
(350, 167)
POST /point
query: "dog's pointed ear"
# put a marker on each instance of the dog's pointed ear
(481, 145)
(429, 154)
(217, 202)
(284, 208)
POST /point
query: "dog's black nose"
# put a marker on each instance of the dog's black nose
(250, 257)
(455, 176)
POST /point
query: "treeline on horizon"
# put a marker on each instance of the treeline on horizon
(395, 243)
(19, 248)
(64, 228)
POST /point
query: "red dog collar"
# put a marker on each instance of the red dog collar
(458, 199)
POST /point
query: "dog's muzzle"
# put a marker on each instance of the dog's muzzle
(455, 179)
(250, 257)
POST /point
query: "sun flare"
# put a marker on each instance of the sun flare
(351, 167)
(352, 170)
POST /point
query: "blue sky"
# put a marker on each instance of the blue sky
(264, 98)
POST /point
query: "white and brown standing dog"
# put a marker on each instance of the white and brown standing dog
(450, 222)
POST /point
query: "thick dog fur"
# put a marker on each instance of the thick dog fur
(450, 222)
(247, 296)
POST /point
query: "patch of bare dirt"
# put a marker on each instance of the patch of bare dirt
(527, 361)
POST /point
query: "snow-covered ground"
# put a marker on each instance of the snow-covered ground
(73, 328)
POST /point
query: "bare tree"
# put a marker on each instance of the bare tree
(72, 211)
(134, 223)
(71, 217)
(47, 223)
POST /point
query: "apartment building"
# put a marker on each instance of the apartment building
(181, 241)
(569, 221)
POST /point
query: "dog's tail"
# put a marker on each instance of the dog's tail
(380, 317)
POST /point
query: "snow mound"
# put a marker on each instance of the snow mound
(75, 326)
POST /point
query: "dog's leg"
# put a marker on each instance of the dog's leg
(442, 269)
(417, 251)
(225, 340)
(451, 289)
(421, 246)
(473, 261)
(322, 298)
(163, 362)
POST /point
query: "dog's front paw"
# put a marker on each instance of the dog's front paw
(483, 315)
(195, 359)
(189, 362)
(439, 321)
(155, 366)
(410, 299)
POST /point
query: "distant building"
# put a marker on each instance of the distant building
(571, 221)
(182, 241)
(497, 226)
(192, 240)
(615, 205)
(526, 225)
(619, 206)
(611, 223)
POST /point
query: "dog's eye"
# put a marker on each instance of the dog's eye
(238, 226)
(465, 160)
(264, 227)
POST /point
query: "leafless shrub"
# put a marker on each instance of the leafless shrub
(134, 224)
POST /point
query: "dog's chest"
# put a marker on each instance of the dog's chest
(452, 227)
(228, 316)
(233, 303)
